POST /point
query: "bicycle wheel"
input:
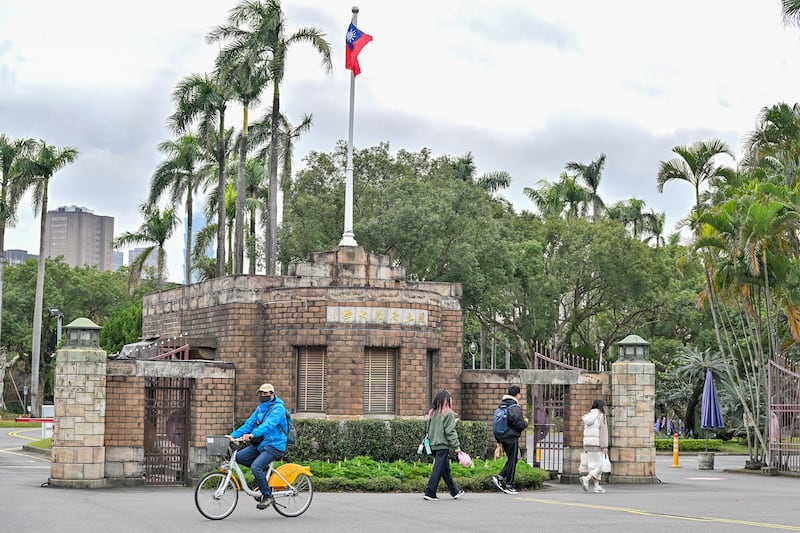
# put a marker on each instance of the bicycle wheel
(208, 503)
(294, 500)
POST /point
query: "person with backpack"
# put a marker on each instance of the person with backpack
(443, 437)
(595, 444)
(508, 425)
(266, 431)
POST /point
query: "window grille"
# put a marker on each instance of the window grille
(380, 376)
(311, 379)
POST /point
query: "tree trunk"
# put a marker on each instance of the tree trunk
(238, 255)
(188, 255)
(272, 201)
(221, 198)
(37, 311)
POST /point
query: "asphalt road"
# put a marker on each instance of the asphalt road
(686, 500)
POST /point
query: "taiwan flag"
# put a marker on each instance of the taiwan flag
(355, 40)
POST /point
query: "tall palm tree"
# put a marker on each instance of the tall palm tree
(248, 77)
(182, 174)
(36, 172)
(204, 99)
(261, 28)
(157, 227)
(695, 164)
(775, 143)
(591, 175)
(11, 151)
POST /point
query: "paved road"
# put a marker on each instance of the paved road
(687, 500)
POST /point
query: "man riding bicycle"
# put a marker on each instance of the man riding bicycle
(265, 429)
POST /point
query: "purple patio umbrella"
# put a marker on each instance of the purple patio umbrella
(710, 412)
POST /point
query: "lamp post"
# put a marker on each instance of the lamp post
(602, 347)
(473, 349)
(53, 311)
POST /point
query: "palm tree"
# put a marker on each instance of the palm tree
(247, 77)
(692, 366)
(36, 172)
(791, 11)
(591, 175)
(205, 99)
(180, 174)
(254, 195)
(695, 165)
(264, 36)
(775, 143)
(157, 228)
(11, 151)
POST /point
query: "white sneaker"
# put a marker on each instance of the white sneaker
(584, 483)
(499, 482)
(598, 489)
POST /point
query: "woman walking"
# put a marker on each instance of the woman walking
(595, 444)
(443, 437)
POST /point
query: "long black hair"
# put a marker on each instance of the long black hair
(441, 403)
(600, 405)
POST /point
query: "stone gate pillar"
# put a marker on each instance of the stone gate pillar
(78, 454)
(633, 393)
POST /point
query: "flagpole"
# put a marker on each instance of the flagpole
(348, 237)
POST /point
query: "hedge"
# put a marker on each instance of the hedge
(383, 440)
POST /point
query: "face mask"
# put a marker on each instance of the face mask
(263, 399)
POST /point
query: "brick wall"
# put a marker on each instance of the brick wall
(124, 410)
(258, 322)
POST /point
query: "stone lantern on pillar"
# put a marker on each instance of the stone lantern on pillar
(633, 348)
(78, 453)
(633, 392)
(82, 332)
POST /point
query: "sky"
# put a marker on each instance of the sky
(525, 86)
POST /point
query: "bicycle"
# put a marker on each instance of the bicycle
(217, 493)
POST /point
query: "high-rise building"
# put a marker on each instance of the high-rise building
(80, 237)
(119, 260)
(17, 257)
(134, 253)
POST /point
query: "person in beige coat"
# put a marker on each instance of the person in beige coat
(595, 444)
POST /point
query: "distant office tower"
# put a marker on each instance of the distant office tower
(118, 261)
(80, 236)
(17, 257)
(152, 260)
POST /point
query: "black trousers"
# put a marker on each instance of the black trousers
(511, 449)
(441, 470)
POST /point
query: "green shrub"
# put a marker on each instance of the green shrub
(689, 445)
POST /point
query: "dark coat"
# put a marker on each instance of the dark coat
(516, 420)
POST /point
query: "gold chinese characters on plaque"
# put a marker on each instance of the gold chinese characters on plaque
(377, 315)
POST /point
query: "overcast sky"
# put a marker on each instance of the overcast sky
(526, 86)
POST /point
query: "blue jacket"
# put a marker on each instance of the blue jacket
(267, 421)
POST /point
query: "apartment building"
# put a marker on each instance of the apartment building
(80, 237)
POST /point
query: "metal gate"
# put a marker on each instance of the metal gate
(548, 407)
(548, 430)
(784, 417)
(166, 430)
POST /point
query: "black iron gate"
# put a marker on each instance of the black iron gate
(548, 407)
(166, 430)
